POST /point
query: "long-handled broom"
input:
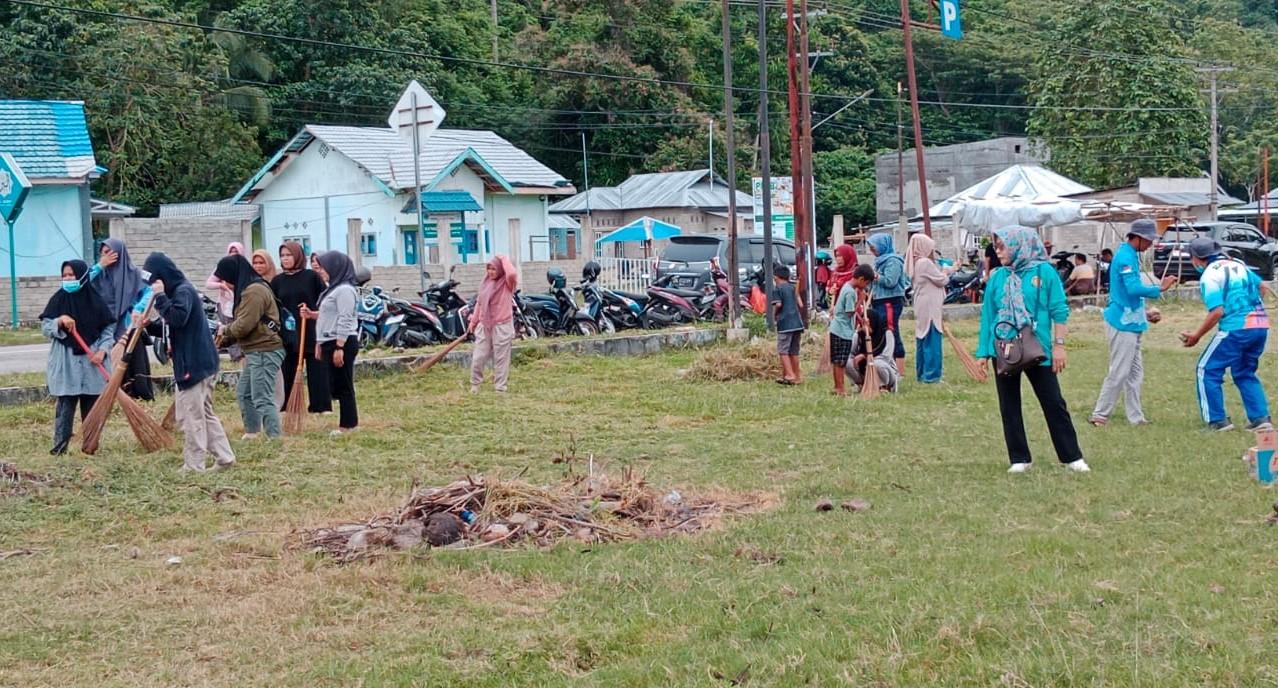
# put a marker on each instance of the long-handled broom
(101, 410)
(870, 386)
(439, 356)
(170, 418)
(152, 435)
(973, 367)
(295, 407)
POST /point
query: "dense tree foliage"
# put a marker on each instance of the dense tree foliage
(181, 113)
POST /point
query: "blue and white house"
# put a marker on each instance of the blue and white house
(50, 141)
(480, 194)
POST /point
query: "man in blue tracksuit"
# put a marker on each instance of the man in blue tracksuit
(1231, 294)
(1125, 323)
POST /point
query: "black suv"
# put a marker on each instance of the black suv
(686, 260)
(1240, 240)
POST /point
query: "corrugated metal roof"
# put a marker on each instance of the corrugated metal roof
(1024, 182)
(1191, 199)
(561, 221)
(211, 209)
(48, 138)
(689, 189)
(389, 157)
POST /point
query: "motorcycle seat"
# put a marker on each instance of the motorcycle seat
(686, 293)
(632, 296)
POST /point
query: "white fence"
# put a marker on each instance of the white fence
(625, 274)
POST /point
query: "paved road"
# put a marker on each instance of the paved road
(27, 358)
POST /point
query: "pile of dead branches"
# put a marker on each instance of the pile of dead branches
(754, 361)
(483, 512)
(15, 482)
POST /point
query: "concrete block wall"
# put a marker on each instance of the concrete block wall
(33, 294)
(195, 244)
(407, 278)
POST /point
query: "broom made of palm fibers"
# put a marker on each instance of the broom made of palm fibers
(439, 356)
(101, 410)
(870, 386)
(170, 417)
(152, 435)
(974, 368)
(294, 408)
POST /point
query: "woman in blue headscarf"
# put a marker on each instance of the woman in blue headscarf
(887, 297)
(122, 287)
(1027, 292)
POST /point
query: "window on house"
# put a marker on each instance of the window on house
(305, 241)
(368, 244)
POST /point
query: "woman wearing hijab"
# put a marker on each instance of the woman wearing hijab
(295, 286)
(888, 295)
(73, 376)
(337, 333)
(256, 329)
(493, 325)
(195, 364)
(844, 263)
(874, 355)
(264, 266)
(1027, 292)
(122, 288)
(225, 295)
(929, 295)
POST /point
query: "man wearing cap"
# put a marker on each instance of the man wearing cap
(1125, 322)
(1231, 294)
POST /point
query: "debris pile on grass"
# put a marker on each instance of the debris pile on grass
(484, 512)
(15, 482)
(754, 361)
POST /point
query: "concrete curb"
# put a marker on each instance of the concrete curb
(622, 345)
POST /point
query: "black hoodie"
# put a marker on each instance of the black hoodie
(194, 355)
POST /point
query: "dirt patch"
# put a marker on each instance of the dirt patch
(15, 482)
(486, 512)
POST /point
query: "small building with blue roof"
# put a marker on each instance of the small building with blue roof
(50, 141)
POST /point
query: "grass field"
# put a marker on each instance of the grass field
(1155, 569)
(24, 335)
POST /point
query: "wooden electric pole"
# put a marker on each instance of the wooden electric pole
(914, 109)
(730, 136)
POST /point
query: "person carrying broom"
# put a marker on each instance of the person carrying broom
(872, 352)
(195, 365)
(72, 375)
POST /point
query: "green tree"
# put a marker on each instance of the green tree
(1109, 118)
(845, 186)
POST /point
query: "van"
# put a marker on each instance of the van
(686, 259)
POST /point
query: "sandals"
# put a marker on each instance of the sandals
(1097, 421)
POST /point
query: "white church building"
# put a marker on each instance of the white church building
(480, 194)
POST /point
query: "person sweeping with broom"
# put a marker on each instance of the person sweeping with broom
(122, 286)
(929, 295)
(295, 286)
(195, 365)
(72, 376)
(257, 329)
(492, 323)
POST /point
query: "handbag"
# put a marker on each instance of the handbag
(1023, 351)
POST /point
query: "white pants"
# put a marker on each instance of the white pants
(492, 346)
(202, 428)
(1125, 376)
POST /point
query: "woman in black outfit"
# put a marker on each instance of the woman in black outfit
(294, 286)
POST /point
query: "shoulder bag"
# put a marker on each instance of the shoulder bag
(1023, 351)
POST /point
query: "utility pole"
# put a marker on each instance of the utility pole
(914, 109)
(712, 154)
(1264, 190)
(417, 200)
(585, 174)
(734, 264)
(900, 157)
(495, 27)
(807, 248)
(1213, 73)
(765, 155)
(796, 138)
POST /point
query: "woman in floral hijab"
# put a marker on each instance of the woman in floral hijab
(1027, 292)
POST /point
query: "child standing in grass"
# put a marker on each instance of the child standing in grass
(843, 322)
(785, 309)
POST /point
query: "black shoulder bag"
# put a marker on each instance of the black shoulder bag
(1022, 351)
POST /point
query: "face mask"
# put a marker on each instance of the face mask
(1200, 269)
(71, 286)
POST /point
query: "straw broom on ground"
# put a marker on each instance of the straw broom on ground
(151, 435)
(294, 409)
(101, 410)
(971, 366)
(439, 356)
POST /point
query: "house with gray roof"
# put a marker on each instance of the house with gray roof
(480, 195)
(696, 201)
(50, 142)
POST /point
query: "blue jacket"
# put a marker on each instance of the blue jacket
(1127, 292)
(892, 280)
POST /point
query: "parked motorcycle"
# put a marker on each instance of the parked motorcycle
(669, 306)
(964, 286)
(451, 311)
(557, 311)
(377, 324)
(611, 310)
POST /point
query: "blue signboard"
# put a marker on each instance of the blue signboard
(13, 188)
(951, 23)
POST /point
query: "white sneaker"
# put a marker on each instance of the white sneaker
(1019, 468)
(1079, 466)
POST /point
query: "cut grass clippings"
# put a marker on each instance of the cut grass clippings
(1153, 570)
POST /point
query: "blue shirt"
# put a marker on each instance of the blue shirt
(1229, 284)
(1127, 292)
(892, 281)
(841, 324)
(1044, 298)
(788, 318)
